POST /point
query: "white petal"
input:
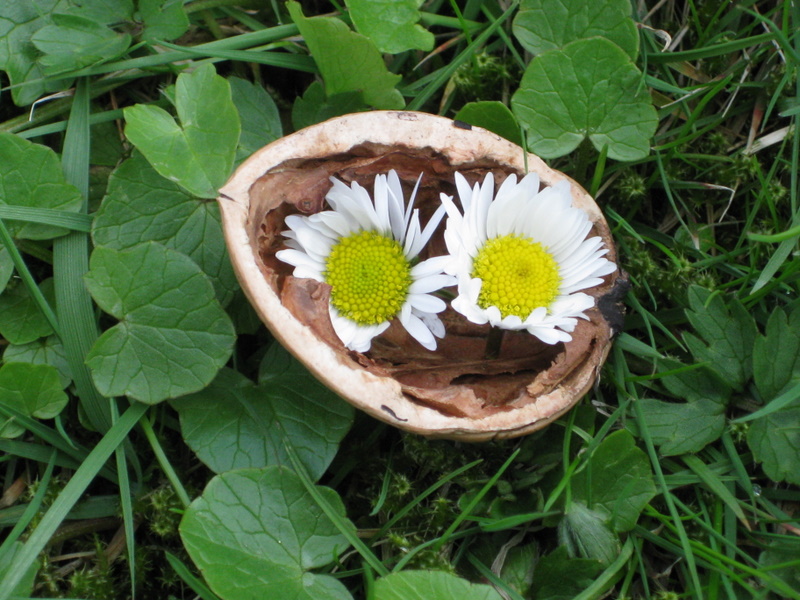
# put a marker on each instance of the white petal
(426, 303)
(418, 330)
(431, 283)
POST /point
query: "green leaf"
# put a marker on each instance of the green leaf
(589, 89)
(198, 153)
(43, 351)
(776, 354)
(162, 19)
(140, 206)
(33, 390)
(678, 428)
(6, 268)
(234, 424)
(256, 533)
(72, 42)
(19, 21)
(694, 383)
(585, 533)
(617, 480)
(431, 585)
(391, 24)
(491, 115)
(780, 559)
(173, 336)
(348, 61)
(559, 577)
(21, 320)
(31, 175)
(105, 12)
(542, 25)
(313, 107)
(727, 331)
(260, 120)
(25, 586)
(775, 442)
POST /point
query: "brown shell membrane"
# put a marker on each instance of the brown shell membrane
(457, 379)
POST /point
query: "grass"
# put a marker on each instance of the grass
(714, 204)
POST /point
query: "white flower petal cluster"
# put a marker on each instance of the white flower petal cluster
(310, 240)
(546, 217)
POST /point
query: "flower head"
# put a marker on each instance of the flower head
(521, 256)
(367, 252)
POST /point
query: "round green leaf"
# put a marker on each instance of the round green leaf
(141, 206)
(775, 442)
(34, 390)
(173, 335)
(588, 89)
(21, 320)
(261, 122)
(391, 24)
(256, 533)
(31, 175)
(431, 585)
(542, 25)
(491, 115)
(43, 351)
(198, 152)
(234, 424)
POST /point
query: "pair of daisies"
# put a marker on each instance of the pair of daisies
(519, 259)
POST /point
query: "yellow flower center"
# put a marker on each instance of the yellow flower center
(518, 275)
(369, 277)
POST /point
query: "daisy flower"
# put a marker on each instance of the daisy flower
(367, 252)
(521, 256)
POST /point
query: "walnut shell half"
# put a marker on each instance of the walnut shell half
(454, 392)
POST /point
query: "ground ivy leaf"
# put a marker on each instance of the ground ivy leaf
(256, 533)
(173, 335)
(313, 107)
(71, 42)
(19, 21)
(234, 423)
(679, 428)
(261, 122)
(727, 331)
(44, 351)
(431, 585)
(162, 19)
(391, 24)
(559, 577)
(31, 175)
(348, 61)
(198, 153)
(589, 89)
(21, 319)
(542, 25)
(775, 442)
(140, 205)
(491, 115)
(776, 355)
(618, 480)
(34, 390)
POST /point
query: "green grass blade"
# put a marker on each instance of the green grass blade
(162, 459)
(47, 216)
(713, 483)
(198, 587)
(71, 493)
(606, 579)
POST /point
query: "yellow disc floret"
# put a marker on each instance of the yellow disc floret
(369, 277)
(518, 274)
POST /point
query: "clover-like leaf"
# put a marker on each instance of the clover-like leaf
(776, 354)
(431, 585)
(727, 331)
(173, 335)
(31, 175)
(162, 19)
(681, 427)
(43, 351)
(348, 61)
(19, 21)
(775, 442)
(70, 42)
(234, 424)
(491, 115)
(589, 89)
(391, 24)
(542, 25)
(261, 122)
(197, 153)
(21, 319)
(33, 390)
(257, 533)
(141, 205)
(314, 107)
(617, 481)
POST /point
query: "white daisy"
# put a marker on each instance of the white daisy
(367, 252)
(521, 256)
